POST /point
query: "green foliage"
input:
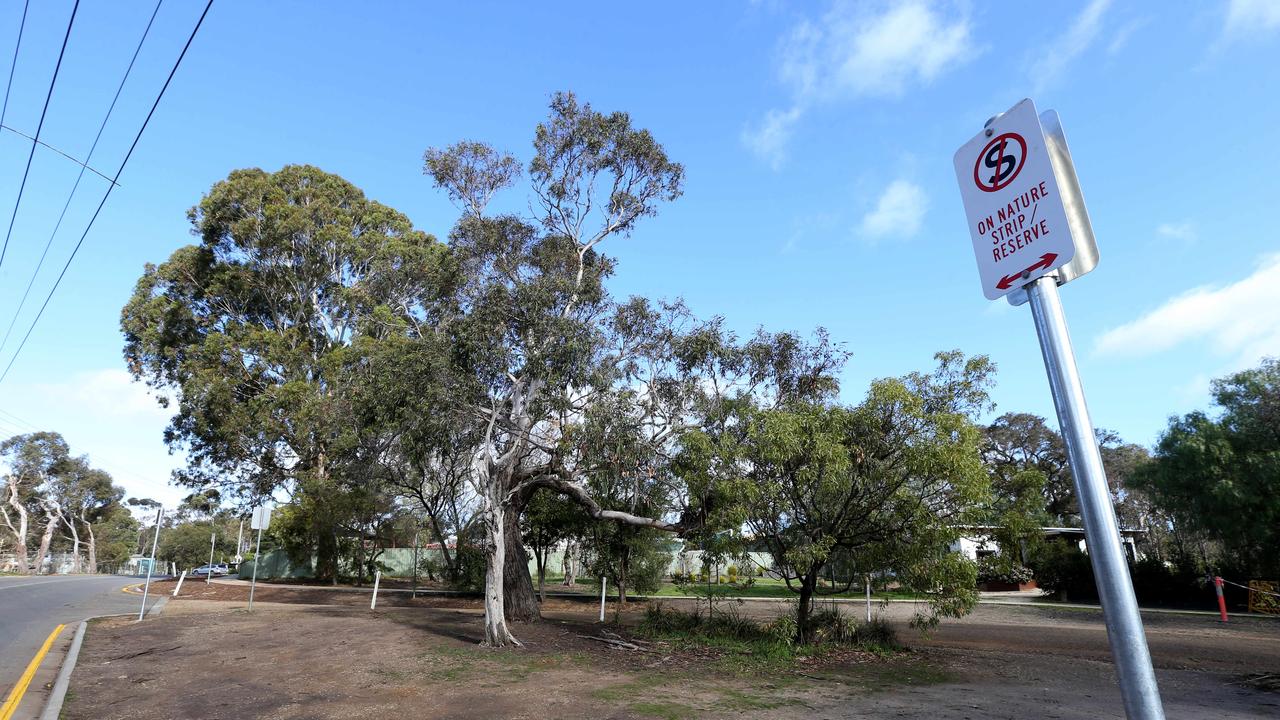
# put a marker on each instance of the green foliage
(1217, 477)
(252, 327)
(885, 482)
(187, 544)
(1003, 569)
(116, 532)
(1062, 569)
(775, 639)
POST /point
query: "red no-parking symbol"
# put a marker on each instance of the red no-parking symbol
(1000, 162)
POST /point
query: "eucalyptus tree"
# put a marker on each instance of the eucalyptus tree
(33, 461)
(250, 331)
(530, 306)
(37, 465)
(84, 496)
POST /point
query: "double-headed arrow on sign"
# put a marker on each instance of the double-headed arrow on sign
(1046, 260)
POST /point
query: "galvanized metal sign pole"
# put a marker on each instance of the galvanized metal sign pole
(1110, 569)
(213, 539)
(151, 565)
(260, 521)
(1030, 234)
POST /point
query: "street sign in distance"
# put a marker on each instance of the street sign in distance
(1022, 202)
(261, 518)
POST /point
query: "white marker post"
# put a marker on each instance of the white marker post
(868, 598)
(261, 519)
(178, 589)
(1030, 234)
(603, 582)
(151, 564)
(377, 577)
(415, 566)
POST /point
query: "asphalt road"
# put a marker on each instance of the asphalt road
(31, 607)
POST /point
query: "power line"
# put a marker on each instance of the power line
(107, 194)
(17, 421)
(14, 65)
(44, 144)
(39, 126)
(58, 225)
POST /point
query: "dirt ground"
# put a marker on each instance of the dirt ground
(206, 657)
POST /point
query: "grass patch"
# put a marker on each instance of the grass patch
(623, 691)
(744, 645)
(665, 710)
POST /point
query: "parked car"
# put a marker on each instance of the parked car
(214, 570)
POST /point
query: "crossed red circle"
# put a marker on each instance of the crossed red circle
(1021, 160)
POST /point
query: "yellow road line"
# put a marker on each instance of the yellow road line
(15, 695)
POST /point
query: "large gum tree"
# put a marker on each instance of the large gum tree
(252, 330)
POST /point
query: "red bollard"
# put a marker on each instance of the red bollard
(1222, 604)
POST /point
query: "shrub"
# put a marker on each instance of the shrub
(783, 629)
(775, 638)
(998, 569)
(733, 573)
(1061, 569)
(471, 568)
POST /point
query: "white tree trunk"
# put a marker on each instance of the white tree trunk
(496, 632)
(20, 532)
(50, 523)
(569, 562)
(76, 565)
(93, 547)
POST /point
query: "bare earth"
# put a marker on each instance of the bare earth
(206, 657)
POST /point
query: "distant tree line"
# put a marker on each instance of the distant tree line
(57, 503)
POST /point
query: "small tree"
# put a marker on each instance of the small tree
(548, 520)
(885, 482)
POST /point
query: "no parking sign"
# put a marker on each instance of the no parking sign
(1025, 214)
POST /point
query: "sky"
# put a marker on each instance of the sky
(817, 140)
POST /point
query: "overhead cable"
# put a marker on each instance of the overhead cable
(106, 194)
(70, 196)
(48, 96)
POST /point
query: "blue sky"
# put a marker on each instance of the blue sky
(817, 140)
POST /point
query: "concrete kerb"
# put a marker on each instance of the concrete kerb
(53, 707)
(58, 695)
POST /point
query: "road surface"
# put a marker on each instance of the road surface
(32, 606)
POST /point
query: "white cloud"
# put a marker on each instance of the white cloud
(104, 414)
(1083, 31)
(855, 52)
(108, 394)
(1121, 37)
(1183, 231)
(898, 212)
(1252, 16)
(769, 140)
(1237, 321)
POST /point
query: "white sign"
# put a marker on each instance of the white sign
(261, 518)
(1016, 211)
